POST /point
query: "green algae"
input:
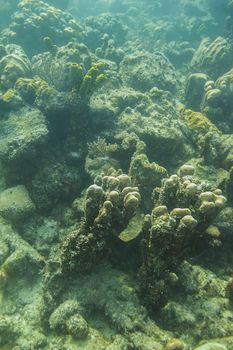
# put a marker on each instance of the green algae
(133, 228)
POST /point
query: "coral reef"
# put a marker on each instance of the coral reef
(213, 57)
(62, 67)
(151, 117)
(217, 102)
(23, 133)
(143, 71)
(110, 205)
(67, 319)
(195, 90)
(14, 64)
(63, 181)
(101, 29)
(181, 218)
(116, 175)
(229, 186)
(35, 20)
(146, 176)
(15, 203)
(16, 255)
(99, 159)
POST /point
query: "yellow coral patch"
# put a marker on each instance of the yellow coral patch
(7, 96)
(213, 231)
(198, 121)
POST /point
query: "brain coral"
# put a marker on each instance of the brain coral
(145, 70)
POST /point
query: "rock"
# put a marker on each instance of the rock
(144, 342)
(18, 258)
(40, 20)
(77, 327)
(21, 134)
(13, 65)
(143, 71)
(174, 344)
(6, 330)
(15, 203)
(195, 90)
(177, 315)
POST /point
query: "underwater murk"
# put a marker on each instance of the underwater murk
(116, 175)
